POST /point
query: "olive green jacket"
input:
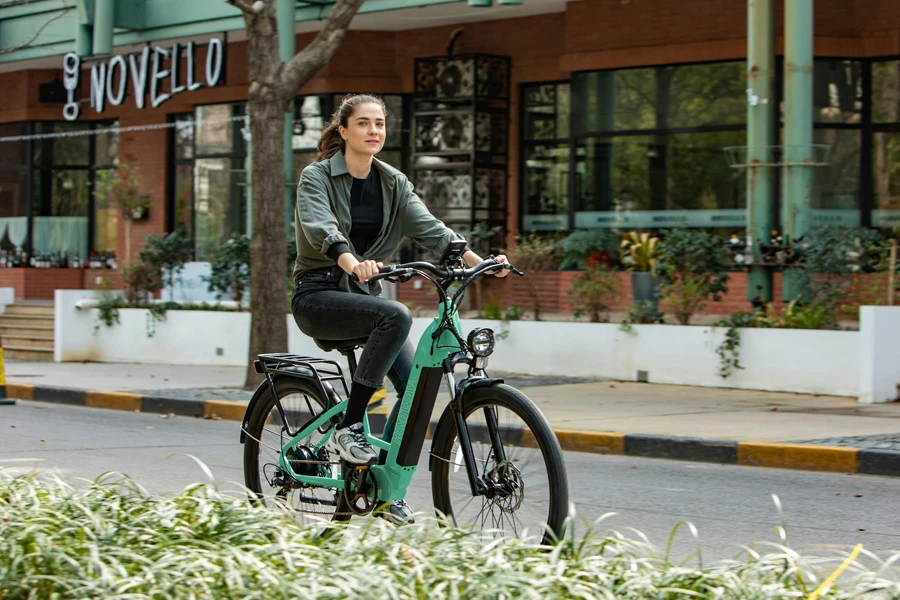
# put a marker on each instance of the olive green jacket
(322, 217)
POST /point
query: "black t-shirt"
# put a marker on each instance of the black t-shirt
(366, 214)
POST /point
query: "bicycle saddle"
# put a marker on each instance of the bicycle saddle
(340, 345)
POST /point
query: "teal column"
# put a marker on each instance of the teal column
(286, 34)
(104, 15)
(83, 40)
(796, 207)
(760, 123)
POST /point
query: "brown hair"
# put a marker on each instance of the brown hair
(331, 142)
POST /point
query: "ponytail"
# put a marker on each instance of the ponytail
(330, 141)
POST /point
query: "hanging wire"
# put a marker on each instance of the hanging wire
(155, 126)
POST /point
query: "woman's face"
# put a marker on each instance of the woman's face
(365, 131)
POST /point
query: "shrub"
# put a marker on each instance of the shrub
(585, 248)
(593, 293)
(693, 266)
(167, 253)
(230, 269)
(534, 253)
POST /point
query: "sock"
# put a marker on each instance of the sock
(356, 406)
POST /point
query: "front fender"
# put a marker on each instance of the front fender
(447, 419)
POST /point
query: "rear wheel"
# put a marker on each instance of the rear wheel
(527, 478)
(266, 437)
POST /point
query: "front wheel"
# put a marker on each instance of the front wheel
(529, 488)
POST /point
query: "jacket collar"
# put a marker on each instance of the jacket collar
(338, 164)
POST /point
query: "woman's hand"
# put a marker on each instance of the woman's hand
(363, 270)
(501, 258)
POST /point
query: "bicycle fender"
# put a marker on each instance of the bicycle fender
(299, 373)
(447, 419)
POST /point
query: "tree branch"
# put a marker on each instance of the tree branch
(243, 6)
(302, 67)
(39, 31)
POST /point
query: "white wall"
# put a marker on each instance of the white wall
(879, 353)
(7, 297)
(824, 362)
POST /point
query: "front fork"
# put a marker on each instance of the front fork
(478, 484)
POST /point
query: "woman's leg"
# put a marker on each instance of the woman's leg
(337, 315)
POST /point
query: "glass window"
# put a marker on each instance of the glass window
(547, 112)
(106, 224)
(184, 136)
(71, 150)
(836, 186)
(886, 92)
(309, 121)
(106, 147)
(699, 177)
(13, 209)
(886, 179)
(837, 91)
(660, 97)
(218, 129)
(219, 204)
(545, 195)
(184, 199)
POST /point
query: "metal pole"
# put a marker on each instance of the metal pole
(893, 266)
(798, 131)
(4, 401)
(760, 125)
(286, 37)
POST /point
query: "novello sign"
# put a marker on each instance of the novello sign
(148, 71)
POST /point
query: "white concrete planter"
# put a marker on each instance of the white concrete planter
(804, 361)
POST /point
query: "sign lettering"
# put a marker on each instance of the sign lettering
(109, 79)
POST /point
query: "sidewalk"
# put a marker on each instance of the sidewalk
(608, 417)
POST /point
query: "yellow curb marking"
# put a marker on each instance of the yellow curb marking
(589, 441)
(112, 400)
(21, 391)
(230, 411)
(2, 375)
(827, 583)
(798, 456)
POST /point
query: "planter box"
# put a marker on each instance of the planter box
(844, 363)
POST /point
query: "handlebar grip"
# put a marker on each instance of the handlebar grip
(383, 270)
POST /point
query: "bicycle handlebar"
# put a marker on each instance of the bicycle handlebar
(443, 274)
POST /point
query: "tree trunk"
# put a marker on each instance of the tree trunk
(268, 261)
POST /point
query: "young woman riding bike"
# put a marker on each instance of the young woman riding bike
(352, 213)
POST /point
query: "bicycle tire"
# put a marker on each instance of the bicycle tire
(254, 477)
(544, 437)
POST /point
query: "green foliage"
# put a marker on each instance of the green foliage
(230, 269)
(168, 253)
(108, 310)
(490, 309)
(110, 538)
(593, 292)
(693, 266)
(640, 252)
(584, 248)
(729, 350)
(642, 312)
(830, 255)
(534, 253)
(120, 188)
(141, 282)
(513, 313)
(481, 236)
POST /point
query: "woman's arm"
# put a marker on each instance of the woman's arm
(317, 220)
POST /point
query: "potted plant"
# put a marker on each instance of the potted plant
(693, 268)
(641, 255)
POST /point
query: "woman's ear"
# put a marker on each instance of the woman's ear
(342, 131)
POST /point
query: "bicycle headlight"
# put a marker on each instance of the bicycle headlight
(481, 342)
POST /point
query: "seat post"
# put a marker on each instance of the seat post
(351, 360)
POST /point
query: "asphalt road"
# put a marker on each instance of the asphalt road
(730, 506)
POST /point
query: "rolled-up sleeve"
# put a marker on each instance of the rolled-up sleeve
(420, 225)
(314, 212)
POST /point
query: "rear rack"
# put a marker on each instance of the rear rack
(319, 369)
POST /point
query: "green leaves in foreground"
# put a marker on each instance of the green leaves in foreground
(110, 539)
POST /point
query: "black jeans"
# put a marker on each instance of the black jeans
(323, 311)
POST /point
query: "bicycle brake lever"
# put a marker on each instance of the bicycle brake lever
(517, 272)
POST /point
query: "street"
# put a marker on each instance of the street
(730, 506)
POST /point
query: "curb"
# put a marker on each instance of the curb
(807, 457)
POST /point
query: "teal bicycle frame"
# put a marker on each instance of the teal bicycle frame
(407, 437)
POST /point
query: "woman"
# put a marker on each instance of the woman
(352, 213)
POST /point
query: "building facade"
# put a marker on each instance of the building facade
(549, 116)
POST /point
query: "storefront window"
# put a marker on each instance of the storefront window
(837, 91)
(886, 91)
(835, 194)
(67, 218)
(545, 157)
(13, 188)
(886, 178)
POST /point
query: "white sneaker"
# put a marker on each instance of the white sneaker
(351, 444)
